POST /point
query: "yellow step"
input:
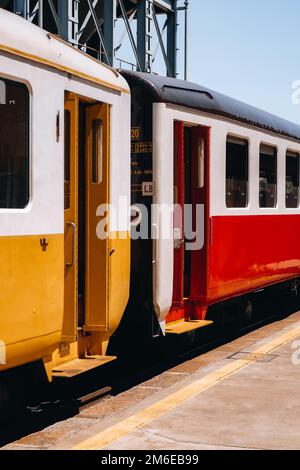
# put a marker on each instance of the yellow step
(185, 326)
(80, 366)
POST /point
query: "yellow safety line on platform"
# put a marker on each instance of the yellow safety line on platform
(136, 421)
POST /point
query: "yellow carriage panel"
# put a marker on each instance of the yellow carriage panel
(31, 304)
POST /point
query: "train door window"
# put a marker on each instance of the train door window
(237, 170)
(67, 158)
(14, 145)
(200, 162)
(97, 151)
(268, 176)
(292, 180)
(176, 149)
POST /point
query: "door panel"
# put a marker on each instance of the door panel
(200, 197)
(97, 190)
(190, 188)
(71, 217)
(178, 288)
(188, 201)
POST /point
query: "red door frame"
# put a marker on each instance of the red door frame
(178, 279)
(196, 306)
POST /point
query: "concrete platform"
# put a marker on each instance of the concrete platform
(243, 395)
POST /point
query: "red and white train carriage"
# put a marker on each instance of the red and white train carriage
(237, 162)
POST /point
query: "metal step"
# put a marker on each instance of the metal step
(185, 326)
(80, 366)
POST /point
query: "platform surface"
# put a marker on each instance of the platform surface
(242, 395)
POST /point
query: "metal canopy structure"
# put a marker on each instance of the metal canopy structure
(150, 25)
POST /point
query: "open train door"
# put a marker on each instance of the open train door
(190, 203)
(97, 248)
(178, 278)
(196, 307)
(86, 188)
(71, 217)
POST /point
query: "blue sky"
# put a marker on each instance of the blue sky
(248, 49)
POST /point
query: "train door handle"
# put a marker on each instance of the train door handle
(178, 244)
(70, 265)
(177, 237)
(155, 238)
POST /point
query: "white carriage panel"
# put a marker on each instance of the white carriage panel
(288, 146)
(254, 170)
(217, 163)
(120, 164)
(88, 89)
(281, 147)
(163, 173)
(44, 214)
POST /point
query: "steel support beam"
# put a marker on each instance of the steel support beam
(21, 8)
(41, 13)
(186, 38)
(144, 33)
(59, 26)
(63, 16)
(172, 38)
(32, 14)
(109, 15)
(87, 25)
(162, 46)
(165, 5)
(108, 59)
(131, 37)
(68, 11)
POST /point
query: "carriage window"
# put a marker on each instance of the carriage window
(292, 180)
(14, 145)
(268, 176)
(97, 151)
(236, 172)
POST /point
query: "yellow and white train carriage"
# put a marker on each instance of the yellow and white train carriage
(64, 151)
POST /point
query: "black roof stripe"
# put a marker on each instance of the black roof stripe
(191, 95)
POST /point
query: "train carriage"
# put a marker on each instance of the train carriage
(64, 153)
(235, 168)
(215, 205)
